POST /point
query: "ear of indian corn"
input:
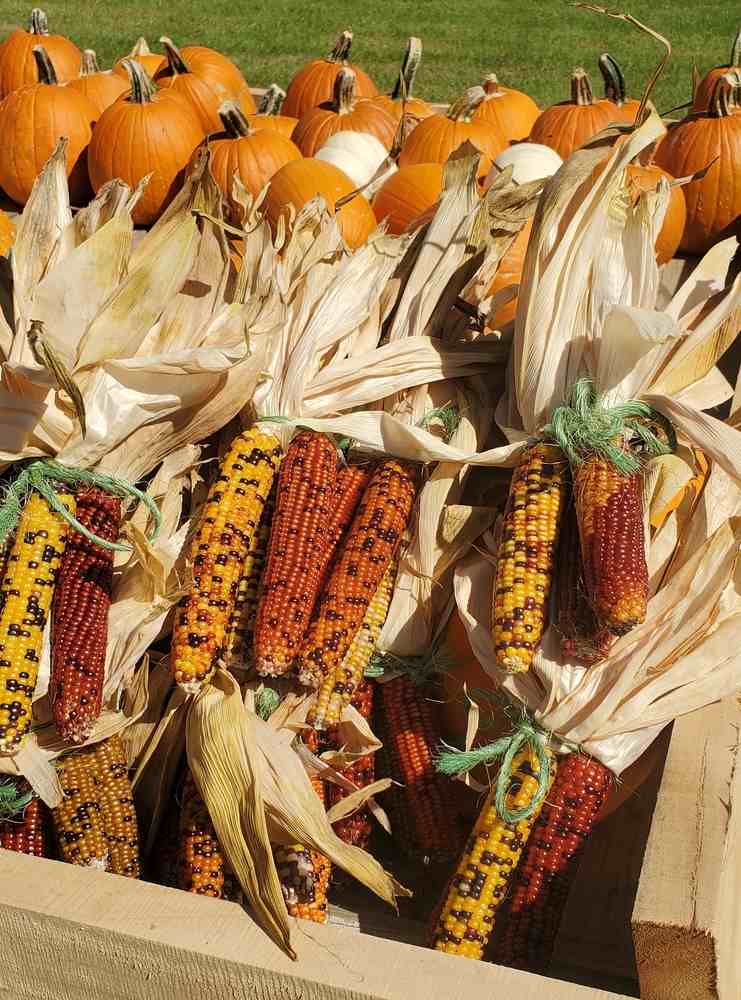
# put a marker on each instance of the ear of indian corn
(25, 600)
(609, 510)
(358, 828)
(526, 555)
(82, 597)
(296, 551)
(337, 688)
(200, 858)
(26, 833)
(351, 483)
(478, 888)
(365, 556)
(111, 771)
(304, 876)
(543, 878)
(227, 531)
(78, 822)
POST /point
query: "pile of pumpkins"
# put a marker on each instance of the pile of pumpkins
(150, 112)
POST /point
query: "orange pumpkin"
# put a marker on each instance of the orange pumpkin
(101, 88)
(434, 139)
(400, 100)
(513, 112)
(301, 180)
(509, 273)
(7, 234)
(344, 113)
(269, 113)
(32, 121)
(567, 126)
(314, 82)
(151, 61)
(646, 178)
(713, 201)
(704, 92)
(406, 194)
(253, 155)
(205, 79)
(17, 63)
(622, 108)
(127, 143)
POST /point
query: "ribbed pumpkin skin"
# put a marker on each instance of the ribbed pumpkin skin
(152, 62)
(566, 126)
(314, 84)
(319, 124)
(415, 107)
(32, 120)
(510, 273)
(17, 64)
(407, 194)
(206, 80)
(255, 158)
(204, 97)
(513, 112)
(434, 139)
(214, 68)
(282, 124)
(625, 112)
(101, 89)
(299, 181)
(670, 234)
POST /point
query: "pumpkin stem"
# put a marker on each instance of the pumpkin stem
(142, 88)
(408, 71)
(343, 98)
(341, 49)
(725, 99)
(613, 79)
(44, 67)
(235, 124)
(491, 85)
(89, 63)
(38, 22)
(174, 59)
(272, 100)
(140, 49)
(581, 88)
(462, 110)
(736, 50)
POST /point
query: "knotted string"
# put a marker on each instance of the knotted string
(266, 701)
(12, 802)
(419, 669)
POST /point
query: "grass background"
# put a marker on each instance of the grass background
(531, 45)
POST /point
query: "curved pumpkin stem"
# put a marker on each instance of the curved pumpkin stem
(408, 71)
(235, 124)
(736, 50)
(462, 110)
(613, 79)
(89, 64)
(175, 61)
(491, 85)
(140, 49)
(341, 49)
(44, 67)
(142, 88)
(726, 93)
(344, 99)
(581, 88)
(38, 22)
(272, 100)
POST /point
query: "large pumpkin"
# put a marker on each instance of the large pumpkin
(344, 113)
(151, 61)
(101, 88)
(567, 126)
(622, 108)
(513, 112)
(17, 63)
(205, 79)
(435, 138)
(509, 273)
(407, 194)
(314, 82)
(301, 180)
(702, 96)
(401, 98)
(713, 201)
(252, 155)
(269, 113)
(127, 143)
(32, 121)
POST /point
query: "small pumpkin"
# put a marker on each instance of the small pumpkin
(401, 98)
(253, 155)
(704, 91)
(127, 143)
(622, 108)
(567, 126)
(357, 154)
(269, 113)
(404, 196)
(7, 234)
(200, 77)
(509, 273)
(151, 61)
(435, 138)
(17, 63)
(313, 84)
(301, 180)
(513, 112)
(713, 201)
(32, 120)
(344, 113)
(100, 87)
(530, 161)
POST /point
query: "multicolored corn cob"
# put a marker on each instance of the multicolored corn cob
(304, 876)
(411, 733)
(200, 858)
(82, 598)
(352, 481)
(78, 820)
(111, 770)
(26, 833)
(526, 555)
(307, 486)
(476, 891)
(355, 829)
(25, 600)
(227, 532)
(542, 881)
(609, 510)
(338, 688)
(362, 561)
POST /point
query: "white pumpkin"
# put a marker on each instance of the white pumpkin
(529, 161)
(357, 153)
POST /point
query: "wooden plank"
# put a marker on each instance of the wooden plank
(687, 919)
(82, 935)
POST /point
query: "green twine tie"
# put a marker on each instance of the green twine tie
(419, 669)
(12, 802)
(41, 476)
(266, 702)
(454, 762)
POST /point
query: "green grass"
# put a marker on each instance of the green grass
(531, 45)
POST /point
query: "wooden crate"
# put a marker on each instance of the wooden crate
(669, 855)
